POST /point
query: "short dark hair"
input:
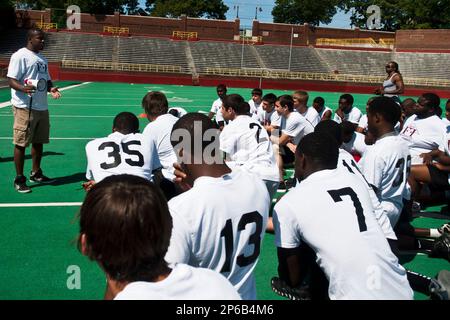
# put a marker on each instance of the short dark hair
(155, 103)
(348, 97)
(320, 101)
(395, 66)
(31, 32)
(387, 108)
(127, 226)
(187, 122)
(270, 98)
(126, 122)
(320, 149)
(347, 127)
(257, 92)
(221, 87)
(237, 103)
(330, 127)
(286, 101)
(174, 112)
(433, 100)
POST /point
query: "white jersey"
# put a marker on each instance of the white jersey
(26, 64)
(424, 135)
(269, 118)
(158, 131)
(347, 163)
(183, 283)
(364, 124)
(353, 116)
(386, 166)
(312, 116)
(295, 126)
(341, 229)
(324, 110)
(356, 146)
(254, 108)
(248, 146)
(219, 224)
(216, 108)
(121, 154)
(447, 127)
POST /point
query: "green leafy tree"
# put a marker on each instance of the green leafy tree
(313, 12)
(211, 9)
(401, 14)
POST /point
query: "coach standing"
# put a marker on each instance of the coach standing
(30, 81)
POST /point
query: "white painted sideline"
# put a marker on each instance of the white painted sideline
(42, 204)
(8, 103)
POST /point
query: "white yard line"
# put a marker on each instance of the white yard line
(87, 138)
(8, 103)
(42, 204)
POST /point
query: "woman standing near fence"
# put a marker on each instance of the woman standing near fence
(393, 85)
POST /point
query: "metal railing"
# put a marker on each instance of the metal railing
(116, 30)
(358, 42)
(285, 74)
(46, 25)
(185, 35)
(113, 66)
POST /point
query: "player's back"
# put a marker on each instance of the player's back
(219, 224)
(121, 154)
(342, 230)
(248, 145)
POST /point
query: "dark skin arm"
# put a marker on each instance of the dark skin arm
(294, 264)
(437, 155)
(16, 85)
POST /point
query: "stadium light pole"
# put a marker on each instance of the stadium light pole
(290, 48)
(242, 51)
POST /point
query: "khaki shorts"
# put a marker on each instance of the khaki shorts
(37, 132)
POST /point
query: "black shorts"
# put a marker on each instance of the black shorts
(439, 179)
(287, 155)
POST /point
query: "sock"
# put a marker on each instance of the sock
(434, 233)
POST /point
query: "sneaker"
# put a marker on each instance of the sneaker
(441, 247)
(283, 289)
(445, 228)
(39, 177)
(20, 184)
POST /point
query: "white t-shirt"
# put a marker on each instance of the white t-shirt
(312, 116)
(424, 135)
(349, 244)
(121, 154)
(353, 116)
(26, 64)
(447, 126)
(347, 163)
(158, 132)
(254, 107)
(183, 283)
(216, 108)
(219, 224)
(248, 145)
(386, 166)
(356, 145)
(295, 126)
(363, 123)
(269, 118)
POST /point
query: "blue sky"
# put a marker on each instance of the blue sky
(247, 11)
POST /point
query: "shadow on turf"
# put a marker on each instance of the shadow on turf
(28, 156)
(59, 181)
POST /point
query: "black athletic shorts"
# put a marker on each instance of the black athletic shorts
(439, 179)
(287, 155)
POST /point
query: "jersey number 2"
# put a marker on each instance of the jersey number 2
(115, 153)
(255, 239)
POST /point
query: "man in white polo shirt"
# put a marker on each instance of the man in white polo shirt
(30, 82)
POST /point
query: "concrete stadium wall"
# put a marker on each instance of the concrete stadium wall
(280, 33)
(423, 40)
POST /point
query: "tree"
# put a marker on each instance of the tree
(211, 9)
(401, 14)
(313, 12)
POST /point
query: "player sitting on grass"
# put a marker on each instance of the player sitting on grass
(125, 227)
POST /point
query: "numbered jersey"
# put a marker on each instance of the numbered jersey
(247, 144)
(219, 224)
(386, 166)
(350, 247)
(121, 154)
